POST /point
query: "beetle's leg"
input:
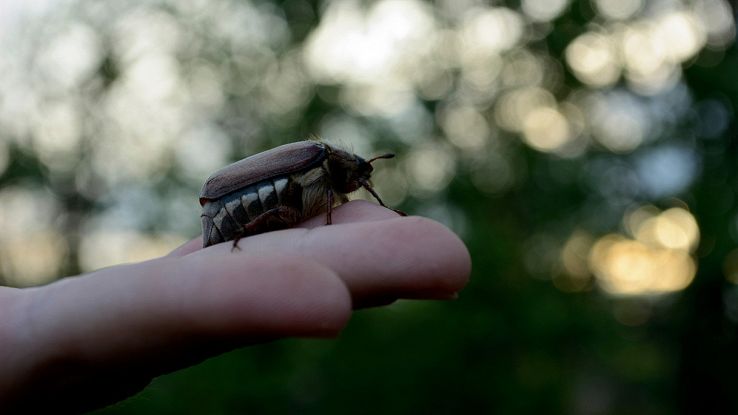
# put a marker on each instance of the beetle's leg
(328, 220)
(274, 219)
(398, 211)
(236, 239)
(376, 196)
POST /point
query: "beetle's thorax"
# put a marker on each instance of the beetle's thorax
(346, 171)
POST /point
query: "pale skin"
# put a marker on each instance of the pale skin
(86, 342)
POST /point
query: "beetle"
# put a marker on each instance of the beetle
(279, 188)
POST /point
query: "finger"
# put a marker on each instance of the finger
(160, 305)
(404, 257)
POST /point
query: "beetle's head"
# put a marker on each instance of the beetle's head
(349, 172)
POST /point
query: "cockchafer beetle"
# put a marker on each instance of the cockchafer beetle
(279, 188)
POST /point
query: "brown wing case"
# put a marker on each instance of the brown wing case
(285, 159)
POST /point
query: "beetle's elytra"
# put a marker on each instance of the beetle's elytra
(279, 188)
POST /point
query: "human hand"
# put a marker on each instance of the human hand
(85, 342)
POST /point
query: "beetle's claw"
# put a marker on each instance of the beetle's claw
(399, 212)
(235, 246)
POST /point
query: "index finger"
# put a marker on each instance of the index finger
(401, 257)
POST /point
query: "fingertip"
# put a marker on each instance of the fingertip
(444, 260)
(453, 255)
(319, 302)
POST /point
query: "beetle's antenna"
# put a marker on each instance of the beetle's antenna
(383, 156)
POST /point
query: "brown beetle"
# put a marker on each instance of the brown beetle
(279, 188)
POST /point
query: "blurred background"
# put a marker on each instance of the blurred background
(584, 149)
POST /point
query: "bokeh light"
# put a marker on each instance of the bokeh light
(32, 248)
(657, 260)
(594, 59)
(542, 10)
(618, 9)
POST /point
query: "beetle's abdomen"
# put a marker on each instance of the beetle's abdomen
(223, 219)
